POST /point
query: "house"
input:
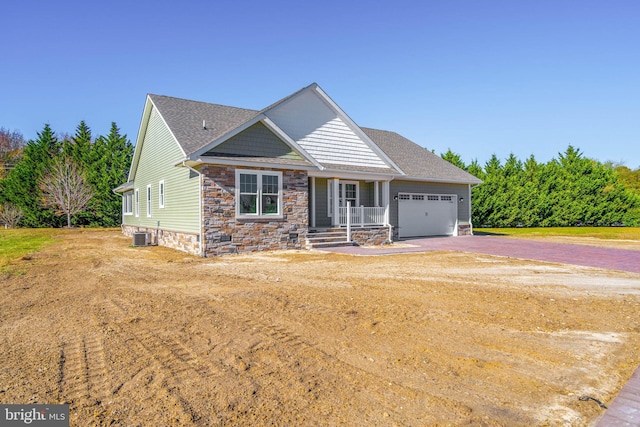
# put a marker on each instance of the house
(211, 179)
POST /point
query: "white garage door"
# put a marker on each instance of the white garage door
(426, 214)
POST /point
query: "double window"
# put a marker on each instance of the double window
(259, 193)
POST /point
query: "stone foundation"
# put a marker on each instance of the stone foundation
(186, 242)
(225, 234)
(370, 236)
(465, 230)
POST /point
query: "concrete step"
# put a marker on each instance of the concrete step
(327, 238)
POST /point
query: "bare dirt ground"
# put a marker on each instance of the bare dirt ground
(150, 336)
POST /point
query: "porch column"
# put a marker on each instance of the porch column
(376, 194)
(312, 202)
(336, 202)
(385, 200)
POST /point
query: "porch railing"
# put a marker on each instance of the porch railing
(362, 216)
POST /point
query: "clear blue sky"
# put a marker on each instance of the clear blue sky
(479, 77)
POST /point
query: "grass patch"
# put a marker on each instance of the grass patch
(609, 233)
(18, 243)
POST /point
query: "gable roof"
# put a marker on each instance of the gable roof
(401, 157)
(185, 119)
(417, 162)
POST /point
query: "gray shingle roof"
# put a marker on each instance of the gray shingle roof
(416, 161)
(185, 117)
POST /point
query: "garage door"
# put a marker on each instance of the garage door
(426, 214)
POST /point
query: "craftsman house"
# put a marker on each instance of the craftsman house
(211, 179)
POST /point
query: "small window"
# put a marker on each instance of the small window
(161, 194)
(433, 197)
(405, 197)
(446, 198)
(418, 197)
(137, 201)
(127, 204)
(149, 200)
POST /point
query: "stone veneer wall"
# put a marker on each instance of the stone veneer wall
(465, 230)
(224, 233)
(186, 242)
(370, 236)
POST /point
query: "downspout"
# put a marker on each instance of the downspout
(121, 210)
(184, 164)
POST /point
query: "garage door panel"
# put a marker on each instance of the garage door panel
(426, 214)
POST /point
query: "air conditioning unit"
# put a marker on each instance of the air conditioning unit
(141, 239)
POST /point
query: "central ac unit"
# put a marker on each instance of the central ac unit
(141, 239)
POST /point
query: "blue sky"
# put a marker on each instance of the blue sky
(479, 77)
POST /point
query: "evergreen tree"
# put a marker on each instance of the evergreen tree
(454, 159)
(111, 158)
(20, 187)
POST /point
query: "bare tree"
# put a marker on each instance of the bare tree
(10, 214)
(65, 188)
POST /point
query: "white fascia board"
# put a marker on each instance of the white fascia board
(289, 141)
(324, 97)
(360, 176)
(142, 133)
(213, 144)
(438, 180)
(246, 163)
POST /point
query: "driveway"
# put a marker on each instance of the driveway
(563, 253)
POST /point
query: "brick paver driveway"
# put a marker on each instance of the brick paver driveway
(590, 256)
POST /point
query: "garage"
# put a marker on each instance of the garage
(422, 214)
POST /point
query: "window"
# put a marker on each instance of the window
(259, 193)
(161, 194)
(348, 191)
(137, 201)
(127, 203)
(149, 200)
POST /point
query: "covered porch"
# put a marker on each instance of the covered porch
(343, 202)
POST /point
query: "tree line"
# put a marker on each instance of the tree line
(571, 190)
(63, 180)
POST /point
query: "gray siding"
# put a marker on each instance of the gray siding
(321, 200)
(397, 186)
(322, 215)
(182, 191)
(255, 141)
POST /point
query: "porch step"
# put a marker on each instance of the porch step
(327, 238)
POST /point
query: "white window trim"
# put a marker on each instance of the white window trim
(259, 174)
(161, 194)
(330, 194)
(137, 202)
(127, 203)
(149, 198)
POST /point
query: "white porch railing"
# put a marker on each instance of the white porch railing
(362, 216)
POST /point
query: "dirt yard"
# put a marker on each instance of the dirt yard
(150, 336)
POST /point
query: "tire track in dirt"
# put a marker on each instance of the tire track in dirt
(179, 366)
(345, 373)
(84, 378)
